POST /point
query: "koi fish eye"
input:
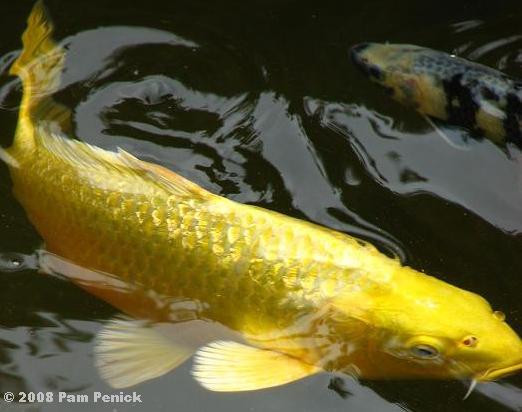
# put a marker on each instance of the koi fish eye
(424, 352)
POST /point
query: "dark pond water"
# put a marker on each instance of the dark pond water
(258, 101)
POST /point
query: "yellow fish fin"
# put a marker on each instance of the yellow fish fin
(84, 155)
(129, 352)
(226, 366)
(170, 180)
(39, 66)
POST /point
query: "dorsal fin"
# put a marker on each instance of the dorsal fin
(170, 180)
(87, 157)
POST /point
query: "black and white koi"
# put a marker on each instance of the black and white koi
(443, 86)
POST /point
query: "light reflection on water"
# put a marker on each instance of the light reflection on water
(410, 163)
(284, 123)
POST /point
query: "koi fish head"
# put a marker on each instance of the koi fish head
(412, 75)
(421, 327)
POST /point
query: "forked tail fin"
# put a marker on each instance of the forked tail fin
(39, 66)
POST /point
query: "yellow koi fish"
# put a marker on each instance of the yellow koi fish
(260, 298)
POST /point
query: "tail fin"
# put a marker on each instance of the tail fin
(39, 66)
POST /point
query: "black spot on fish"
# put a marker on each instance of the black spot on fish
(375, 72)
(461, 107)
(359, 48)
(338, 386)
(517, 85)
(512, 120)
(489, 94)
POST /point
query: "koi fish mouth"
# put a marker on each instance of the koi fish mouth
(363, 64)
(493, 374)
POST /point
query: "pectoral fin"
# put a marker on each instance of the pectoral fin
(455, 140)
(6, 157)
(129, 352)
(127, 297)
(225, 366)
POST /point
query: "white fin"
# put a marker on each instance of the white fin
(226, 366)
(445, 137)
(129, 352)
(8, 159)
